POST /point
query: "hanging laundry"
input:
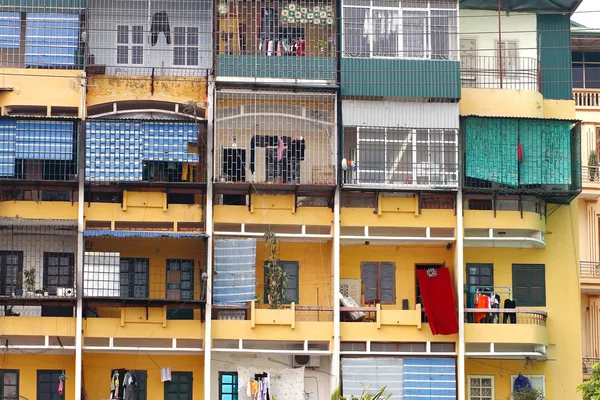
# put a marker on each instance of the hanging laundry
(439, 301)
(522, 383)
(520, 152)
(129, 386)
(481, 301)
(60, 387)
(160, 23)
(114, 385)
(281, 147)
(165, 374)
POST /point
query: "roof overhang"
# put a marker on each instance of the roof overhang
(560, 6)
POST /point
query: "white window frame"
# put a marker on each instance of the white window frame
(505, 72)
(543, 377)
(492, 377)
(431, 6)
(187, 46)
(419, 170)
(471, 76)
(130, 45)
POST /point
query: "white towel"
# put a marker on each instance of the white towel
(165, 374)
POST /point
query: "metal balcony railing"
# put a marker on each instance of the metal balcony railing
(492, 72)
(589, 269)
(290, 314)
(588, 363)
(520, 316)
(587, 98)
(590, 175)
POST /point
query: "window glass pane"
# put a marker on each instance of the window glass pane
(386, 25)
(179, 36)
(122, 55)
(192, 56)
(179, 55)
(356, 43)
(443, 30)
(192, 36)
(414, 33)
(592, 77)
(137, 34)
(122, 34)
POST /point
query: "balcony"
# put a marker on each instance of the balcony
(510, 333)
(520, 160)
(293, 151)
(135, 152)
(37, 261)
(590, 179)
(587, 99)
(587, 364)
(288, 43)
(589, 276)
(39, 152)
(395, 158)
(489, 72)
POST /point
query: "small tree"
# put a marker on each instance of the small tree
(29, 279)
(527, 394)
(590, 390)
(276, 279)
(365, 395)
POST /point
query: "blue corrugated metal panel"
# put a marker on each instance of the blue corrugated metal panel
(10, 30)
(168, 141)
(123, 234)
(372, 374)
(554, 44)
(51, 39)
(429, 378)
(400, 78)
(7, 147)
(45, 140)
(113, 151)
(234, 281)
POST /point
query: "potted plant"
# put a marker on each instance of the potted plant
(526, 394)
(322, 45)
(19, 287)
(45, 291)
(29, 275)
(39, 293)
(593, 166)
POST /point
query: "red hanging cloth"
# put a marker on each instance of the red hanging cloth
(520, 152)
(438, 299)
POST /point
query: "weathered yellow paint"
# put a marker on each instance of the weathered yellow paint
(405, 258)
(560, 258)
(61, 88)
(143, 329)
(108, 89)
(39, 210)
(36, 326)
(427, 218)
(273, 210)
(144, 199)
(97, 370)
(501, 103)
(141, 213)
(29, 364)
(559, 109)
(399, 317)
(506, 333)
(285, 316)
(484, 219)
(363, 331)
(304, 330)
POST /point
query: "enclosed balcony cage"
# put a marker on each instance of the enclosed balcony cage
(39, 149)
(275, 137)
(274, 39)
(149, 151)
(522, 156)
(42, 34)
(149, 38)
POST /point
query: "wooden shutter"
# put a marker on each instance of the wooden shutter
(369, 277)
(291, 270)
(387, 283)
(529, 284)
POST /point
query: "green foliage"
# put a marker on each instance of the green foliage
(590, 390)
(592, 159)
(29, 279)
(527, 394)
(276, 278)
(366, 395)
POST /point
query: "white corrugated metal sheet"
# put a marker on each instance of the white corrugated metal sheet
(398, 114)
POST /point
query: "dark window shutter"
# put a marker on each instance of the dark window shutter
(529, 285)
(387, 283)
(537, 278)
(291, 270)
(369, 278)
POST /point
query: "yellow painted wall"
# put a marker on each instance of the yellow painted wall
(485, 219)
(562, 297)
(107, 88)
(29, 364)
(559, 109)
(97, 370)
(62, 88)
(501, 103)
(405, 258)
(137, 326)
(42, 209)
(36, 326)
(315, 270)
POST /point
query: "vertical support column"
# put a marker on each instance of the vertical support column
(335, 362)
(80, 246)
(209, 242)
(460, 283)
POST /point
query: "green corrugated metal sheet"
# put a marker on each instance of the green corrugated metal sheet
(400, 78)
(491, 150)
(554, 44)
(546, 152)
(321, 68)
(48, 6)
(522, 5)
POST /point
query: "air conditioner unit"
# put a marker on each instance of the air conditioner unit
(540, 349)
(306, 361)
(351, 288)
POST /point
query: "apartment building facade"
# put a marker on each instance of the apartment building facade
(162, 162)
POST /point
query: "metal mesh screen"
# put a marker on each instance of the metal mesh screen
(275, 137)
